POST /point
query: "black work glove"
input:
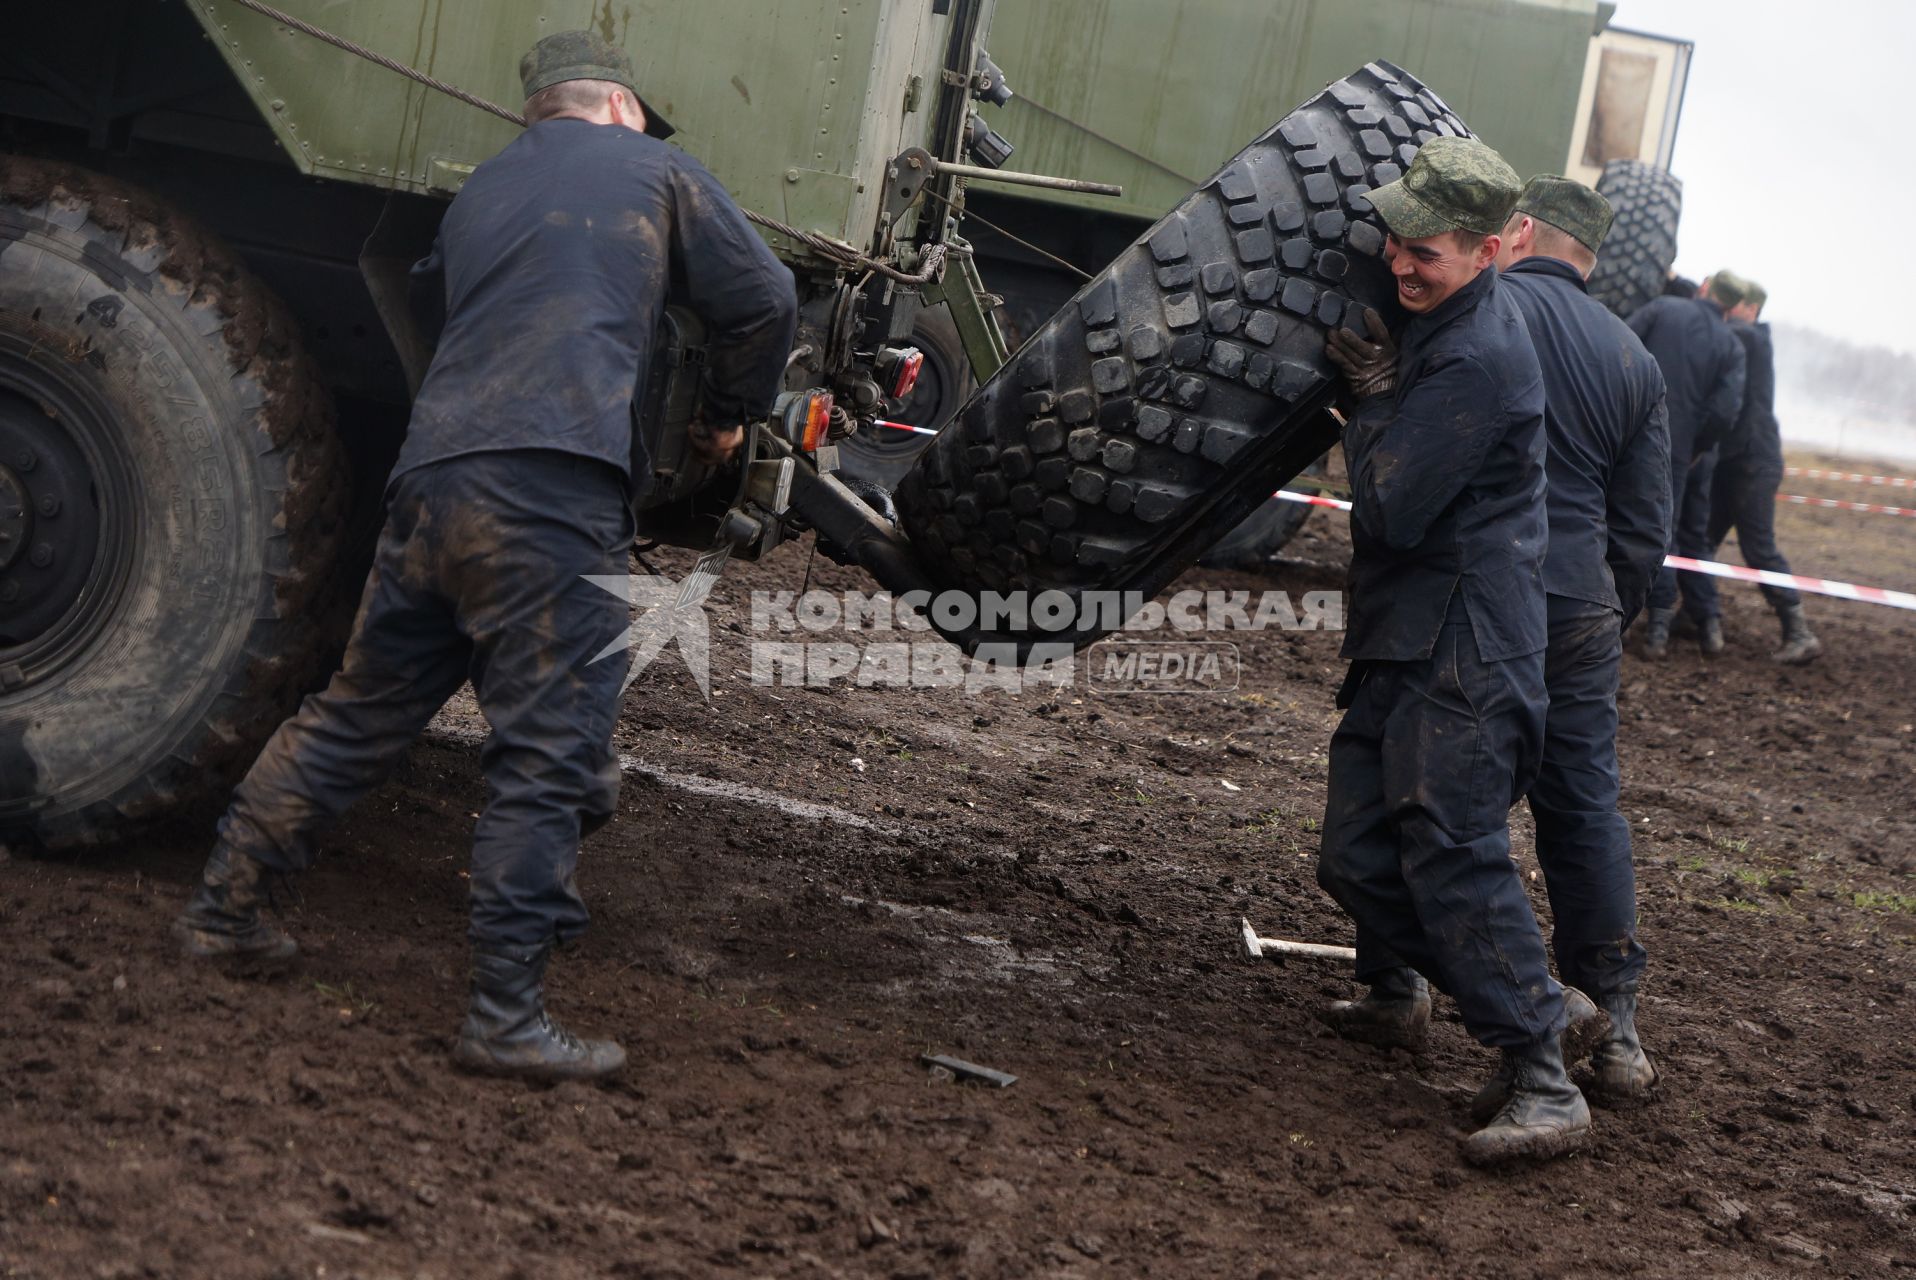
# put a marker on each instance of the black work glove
(1370, 368)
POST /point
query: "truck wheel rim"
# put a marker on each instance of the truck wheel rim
(67, 505)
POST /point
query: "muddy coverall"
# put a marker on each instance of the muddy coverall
(1608, 466)
(515, 479)
(1445, 697)
(1703, 376)
(1750, 471)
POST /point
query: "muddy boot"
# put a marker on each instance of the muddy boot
(1799, 644)
(1584, 1029)
(1656, 633)
(1625, 1076)
(1544, 1117)
(221, 920)
(1392, 1016)
(1709, 636)
(507, 1031)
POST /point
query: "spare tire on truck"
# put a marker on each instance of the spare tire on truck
(170, 502)
(1186, 382)
(1642, 245)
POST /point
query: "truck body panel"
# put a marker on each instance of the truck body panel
(796, 108)
(1175, 88)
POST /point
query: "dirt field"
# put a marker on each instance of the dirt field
(808, 889)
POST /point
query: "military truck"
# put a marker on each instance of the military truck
(207, 209)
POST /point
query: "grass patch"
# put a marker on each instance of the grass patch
(1729, 845)
(1870, 900)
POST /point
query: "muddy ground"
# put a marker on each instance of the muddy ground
(808, 889)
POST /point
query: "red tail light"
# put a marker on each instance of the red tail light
(905, 375)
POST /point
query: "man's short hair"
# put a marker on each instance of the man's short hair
(570, 96)
(1470, 241)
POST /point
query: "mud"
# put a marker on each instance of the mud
(1048, 885)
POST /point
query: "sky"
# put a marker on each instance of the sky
(1794, 150)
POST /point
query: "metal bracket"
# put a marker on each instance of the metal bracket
(905, 178)
(964, 292)
(769, 484)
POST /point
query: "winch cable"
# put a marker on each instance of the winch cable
(932, 268)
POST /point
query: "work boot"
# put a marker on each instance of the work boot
(1584, 1029)
(1656, 633)
(507, 1031)
(1625, 1076)
(1544, 1116)
(1799, 645)
(222, 921)
(1709, 636)
(1392, 1015)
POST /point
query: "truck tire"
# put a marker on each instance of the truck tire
(177, 495)
(1263, 533)
(1642, 244)
(883, 455)
(1184, 383)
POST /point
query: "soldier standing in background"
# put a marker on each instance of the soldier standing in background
(1703, 376)
(1750, 471)
(1609, 507)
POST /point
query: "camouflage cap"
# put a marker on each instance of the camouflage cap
(1453, 183)
(1570, 207)
(1755, 294)
(1726, 288)
(585, 55)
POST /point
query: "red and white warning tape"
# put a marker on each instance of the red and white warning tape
(1851, 477)
(1820, 586)
(1875, 507)
(1312, 498)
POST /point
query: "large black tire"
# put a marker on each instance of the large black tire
(1642, 244)
(882, 454)
(1184, 383)
(185, 482)
(1263, 533)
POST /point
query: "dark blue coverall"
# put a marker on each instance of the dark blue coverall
(1750, 471)
(1445, 697)
(1609, 505)
(1703, 374)
(515, 479)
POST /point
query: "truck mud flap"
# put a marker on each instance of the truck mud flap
(1185, 383)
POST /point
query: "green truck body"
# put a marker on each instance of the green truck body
(797, 108)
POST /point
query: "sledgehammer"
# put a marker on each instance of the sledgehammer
(1257, 948)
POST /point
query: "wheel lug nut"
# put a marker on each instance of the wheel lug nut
(26, 460)
(9, 592)
(42, 555)
(50, 506)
